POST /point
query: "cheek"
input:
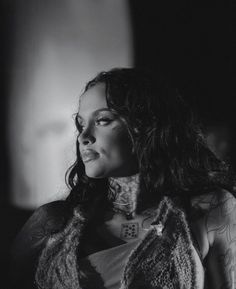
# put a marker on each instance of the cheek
(117, 143)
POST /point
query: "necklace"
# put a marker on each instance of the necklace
(123, 195)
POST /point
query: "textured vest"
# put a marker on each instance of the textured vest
(162, 260)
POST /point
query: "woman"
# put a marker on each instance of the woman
(149, 207)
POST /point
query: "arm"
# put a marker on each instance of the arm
(29, 242)
(221, 229)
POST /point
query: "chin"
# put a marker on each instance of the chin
(95, 174)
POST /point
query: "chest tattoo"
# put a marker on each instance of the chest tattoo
(129, 230)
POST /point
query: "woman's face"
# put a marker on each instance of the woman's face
(104, 142)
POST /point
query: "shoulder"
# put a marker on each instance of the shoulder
(51, 216)
(212, 200)
(31, 239)
(218, 211)
(45, 220)
(221, 218)
(220, 226)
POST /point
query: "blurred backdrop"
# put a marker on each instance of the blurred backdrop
(49, 49)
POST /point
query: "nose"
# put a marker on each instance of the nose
(86, 137)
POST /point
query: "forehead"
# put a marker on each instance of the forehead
(93, 99)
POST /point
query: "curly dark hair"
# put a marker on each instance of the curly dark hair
(173, 158)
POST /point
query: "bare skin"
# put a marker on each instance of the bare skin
(215, 231)
(115, 225)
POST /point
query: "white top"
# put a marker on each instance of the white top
(111, 262)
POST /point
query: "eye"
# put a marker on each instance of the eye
(103, 121)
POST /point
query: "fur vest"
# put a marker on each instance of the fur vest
(162, 260)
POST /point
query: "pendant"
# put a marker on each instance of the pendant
(129, 230)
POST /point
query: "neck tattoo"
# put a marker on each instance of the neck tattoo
(123, 195)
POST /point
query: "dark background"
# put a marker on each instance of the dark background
(192, 43)
(188, 41)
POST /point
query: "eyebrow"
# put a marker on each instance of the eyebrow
(96, 112)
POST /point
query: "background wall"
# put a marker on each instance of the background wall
(193, 44)
(57, 47)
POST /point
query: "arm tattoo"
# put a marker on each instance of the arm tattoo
(221, 221)
(229, 261)
(221, 217)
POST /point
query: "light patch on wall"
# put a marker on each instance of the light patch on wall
(59, 46)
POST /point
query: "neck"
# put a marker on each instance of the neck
(123, 194)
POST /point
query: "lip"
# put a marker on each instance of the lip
(89, 155)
